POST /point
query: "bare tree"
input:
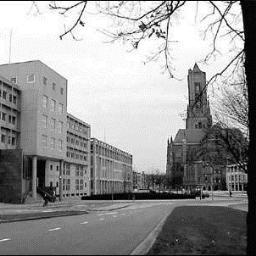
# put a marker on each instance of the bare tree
(232, 106)
(138, 21)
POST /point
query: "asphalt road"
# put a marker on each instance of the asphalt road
(116, 232)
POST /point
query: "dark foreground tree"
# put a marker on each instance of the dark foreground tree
(137, 21)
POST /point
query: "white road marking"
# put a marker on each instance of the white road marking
(5, 239)
(102, 219)
(111, 213)
(107, 213)
(48, 211)
(54, 229)
(84, 222)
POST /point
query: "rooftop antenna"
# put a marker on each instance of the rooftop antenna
(10, 46)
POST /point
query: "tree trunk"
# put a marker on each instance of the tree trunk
(249, 20)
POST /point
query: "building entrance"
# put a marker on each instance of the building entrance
(41, 173)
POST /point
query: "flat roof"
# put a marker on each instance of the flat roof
(102, 142)
(77, 119)
(22, 62)
(9, 83)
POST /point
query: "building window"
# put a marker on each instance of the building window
(77, 184)
(10, 97)
(3, 116)
(31, 78)
(13, 120)
(60, 127)
(53, 86)
(14, 80)
(13, 141)
(52, 143)
(45, 101)
(44, 141)
(81, 184)
(61, 108)
(3, 138)
(4, 95)
(44, 121)
(68, 184)
(44, 80)
(53, 124)
(52, 105)
(60, 144)
(197, 88)
(61, 91)
(10, 119)
(14, 99)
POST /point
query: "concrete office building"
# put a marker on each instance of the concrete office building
(111, 169)
(76, 173)
(43, 122)
(9, 114)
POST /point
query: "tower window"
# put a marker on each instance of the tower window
(197, 87)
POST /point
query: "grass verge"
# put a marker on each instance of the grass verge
(213, 230)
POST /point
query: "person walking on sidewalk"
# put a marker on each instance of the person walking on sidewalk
(45, 200)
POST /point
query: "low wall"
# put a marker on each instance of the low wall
(11, 164)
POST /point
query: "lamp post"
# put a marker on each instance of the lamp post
(212, 180)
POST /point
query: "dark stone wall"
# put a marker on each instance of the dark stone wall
(11, 175)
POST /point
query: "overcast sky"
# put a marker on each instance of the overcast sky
(130, 105)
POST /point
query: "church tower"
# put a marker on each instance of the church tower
(198, 109)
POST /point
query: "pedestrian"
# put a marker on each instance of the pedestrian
(45, 200)
(230, 193)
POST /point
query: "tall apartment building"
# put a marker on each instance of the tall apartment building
(111, 169)
(76, 173)
(9, 114)
(43, 122)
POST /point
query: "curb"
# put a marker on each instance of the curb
(144, 247)
(46, 216)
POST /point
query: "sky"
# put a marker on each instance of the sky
(129, 104)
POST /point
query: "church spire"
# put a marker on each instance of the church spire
(196, 68)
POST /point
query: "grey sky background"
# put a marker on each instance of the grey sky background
(130, 105)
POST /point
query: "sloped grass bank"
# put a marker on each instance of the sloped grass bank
(202, 230)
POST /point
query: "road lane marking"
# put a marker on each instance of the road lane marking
(102, 219)
(5, 239)
(85, 222)
(111, 213)
(54, 229)
(49, 211)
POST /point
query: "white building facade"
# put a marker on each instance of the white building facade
(111, 169)
(236, 178)
(76, 173)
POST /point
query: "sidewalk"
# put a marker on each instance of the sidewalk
(20, 212)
